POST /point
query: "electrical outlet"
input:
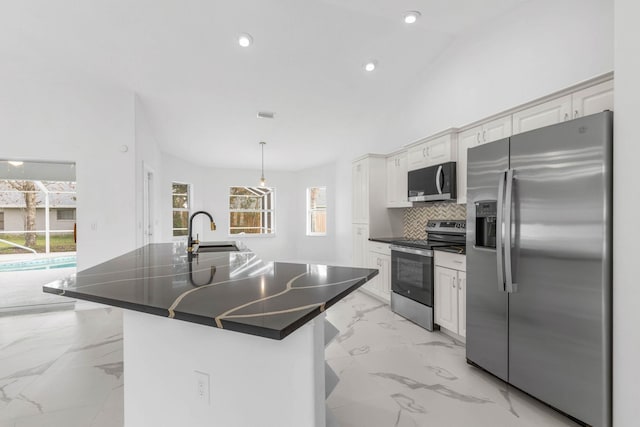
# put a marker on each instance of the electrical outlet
(202, 387)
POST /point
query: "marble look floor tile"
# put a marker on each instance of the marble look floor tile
(60, 390)
(65, 369)
(112, 412)
(355, 383)
(388, 411)
(334, 351)
(365, 337)
(72, 417)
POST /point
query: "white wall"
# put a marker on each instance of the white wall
(148, 158)
(50, 116)
(317, 249)
(626, 289)
(542, 47)
(210, 190)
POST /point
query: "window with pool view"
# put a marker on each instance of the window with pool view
(252, 210)
(316, 211)
(181, 202)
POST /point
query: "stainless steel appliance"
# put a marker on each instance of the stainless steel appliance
(412, 270)
(539, 294)
(437, 182)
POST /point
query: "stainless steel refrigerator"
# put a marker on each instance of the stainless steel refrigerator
(539, 226)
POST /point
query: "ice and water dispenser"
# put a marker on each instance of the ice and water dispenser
(486, 224)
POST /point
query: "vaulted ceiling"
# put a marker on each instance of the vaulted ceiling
(201, 90)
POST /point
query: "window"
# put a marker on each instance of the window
(317, 211)
(65, 214)
(180, 195)
(251, 210)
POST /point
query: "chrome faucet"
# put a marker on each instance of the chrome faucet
(191, 241)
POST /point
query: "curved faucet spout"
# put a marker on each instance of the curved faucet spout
(190, 240)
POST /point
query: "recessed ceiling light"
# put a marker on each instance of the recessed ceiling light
(266, 114)
(411, 16)
(245, 40)
(370, 66)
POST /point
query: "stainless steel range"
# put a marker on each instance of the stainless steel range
(412, 270)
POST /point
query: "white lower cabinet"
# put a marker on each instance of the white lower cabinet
(450, 292)
(379, 257)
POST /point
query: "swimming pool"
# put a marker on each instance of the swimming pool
(39, 264)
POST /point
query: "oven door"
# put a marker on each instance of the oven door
(412, 274)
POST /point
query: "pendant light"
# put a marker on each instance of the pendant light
(263, 182)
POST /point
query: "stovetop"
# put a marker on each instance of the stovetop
(424, 244)
(447, 235)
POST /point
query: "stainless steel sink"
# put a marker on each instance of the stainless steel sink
(217, 247)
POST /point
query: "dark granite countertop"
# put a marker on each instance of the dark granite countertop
(386, 239)
(229, 290)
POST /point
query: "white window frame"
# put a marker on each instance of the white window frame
(187, 210)
(58, 212)
(310, 210)
(263, 215)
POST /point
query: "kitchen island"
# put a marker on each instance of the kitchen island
(219, 338)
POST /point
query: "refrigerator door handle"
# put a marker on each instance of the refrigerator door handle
(439, 176)
(511, 285)
(499, 232)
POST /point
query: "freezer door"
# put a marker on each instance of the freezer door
(487, 301)
(560, 311)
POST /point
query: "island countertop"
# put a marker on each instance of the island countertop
(229, 290)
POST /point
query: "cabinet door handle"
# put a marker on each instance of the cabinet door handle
(575, 114)
(566, 116)
(453, 280)
(478, 137)
(484, 135)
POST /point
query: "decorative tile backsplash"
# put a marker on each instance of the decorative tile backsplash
(415, 219)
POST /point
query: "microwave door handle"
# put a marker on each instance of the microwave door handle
(499, 232)
(439, 176)
(511, 285)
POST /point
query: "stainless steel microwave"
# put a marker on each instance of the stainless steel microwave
(437, 182)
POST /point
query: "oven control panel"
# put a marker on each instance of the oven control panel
(449, 226)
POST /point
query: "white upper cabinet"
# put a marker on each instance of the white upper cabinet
(549, 113)
(397, 194)
(441, 149)
(488, 132)
(593, 99)
(496, 129)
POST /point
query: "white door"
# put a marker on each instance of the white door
(462, 303)
(147, 226)
(446, 298)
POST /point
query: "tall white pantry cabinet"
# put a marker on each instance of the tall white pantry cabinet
(371, 218)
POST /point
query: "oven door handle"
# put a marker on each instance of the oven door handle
(407, 250)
